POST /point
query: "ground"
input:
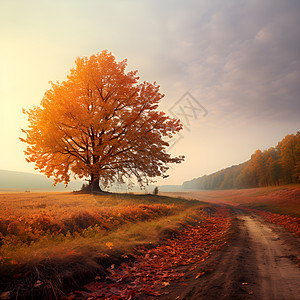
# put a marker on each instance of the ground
(259, 262)
(240, 244)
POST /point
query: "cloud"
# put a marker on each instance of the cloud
(241, 58)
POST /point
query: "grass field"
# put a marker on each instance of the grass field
(281, 200)
(279, 205)
(29, 222)
(42, 233)
(56, 240)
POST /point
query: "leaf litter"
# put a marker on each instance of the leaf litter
(153, 269)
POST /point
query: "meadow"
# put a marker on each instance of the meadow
(51, 243)
(46, 235)
(276, 204)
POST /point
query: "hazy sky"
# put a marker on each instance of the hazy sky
(239, 60)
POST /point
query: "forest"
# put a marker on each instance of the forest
(278, 165)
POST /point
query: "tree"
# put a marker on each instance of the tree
(289, 149)
(101, 124)
(155, 191)
(257, 168)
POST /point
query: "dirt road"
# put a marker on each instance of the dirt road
(260, 262)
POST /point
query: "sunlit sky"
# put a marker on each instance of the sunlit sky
(240, 60)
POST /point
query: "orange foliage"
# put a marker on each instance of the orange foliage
(100, 123)
(154, 268)
(31, 228)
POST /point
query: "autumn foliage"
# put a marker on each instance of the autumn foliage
(154, 268)
(276, 166)
(46, 239)
(101, 124)
(28, 229)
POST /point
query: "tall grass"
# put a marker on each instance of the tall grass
(41, 232)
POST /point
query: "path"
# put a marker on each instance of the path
(259, 263)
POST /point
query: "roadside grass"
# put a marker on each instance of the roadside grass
(44, 236)
(155, 268)
(284, 200)
(278, 204)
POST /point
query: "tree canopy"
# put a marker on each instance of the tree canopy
(101, 124)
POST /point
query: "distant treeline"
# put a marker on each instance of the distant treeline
(275, 166)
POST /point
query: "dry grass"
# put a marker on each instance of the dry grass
(48, 235)
(282, 200)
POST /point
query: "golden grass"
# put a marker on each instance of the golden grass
(38, 226)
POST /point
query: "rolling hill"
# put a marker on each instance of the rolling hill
(11, 180)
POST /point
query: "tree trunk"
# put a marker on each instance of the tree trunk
(95, 186)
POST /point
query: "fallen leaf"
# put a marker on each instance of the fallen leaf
(109, 245)
(37, 283)
(200, 274)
